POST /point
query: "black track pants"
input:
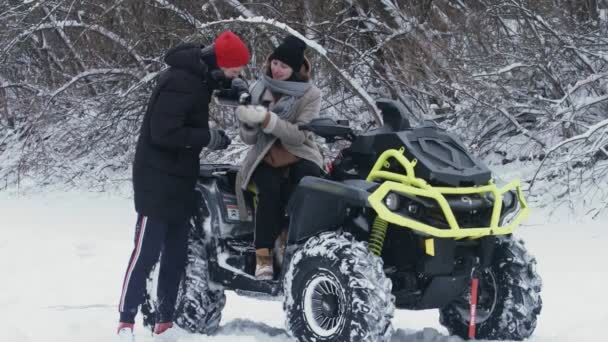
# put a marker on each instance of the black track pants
(274, 188)
(153, 236)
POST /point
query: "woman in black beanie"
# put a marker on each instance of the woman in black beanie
(287, 60)
(281, 154)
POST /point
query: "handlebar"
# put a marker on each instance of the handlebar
(329, 129)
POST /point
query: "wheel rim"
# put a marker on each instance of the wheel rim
(324, 305)
(486, 302)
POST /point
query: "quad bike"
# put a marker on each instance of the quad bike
(405, 218)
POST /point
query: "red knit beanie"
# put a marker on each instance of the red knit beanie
(230, 51)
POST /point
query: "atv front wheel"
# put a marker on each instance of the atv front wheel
(508, 297)
(199, 302)
(336, 290)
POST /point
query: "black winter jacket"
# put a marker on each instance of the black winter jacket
(175, 129)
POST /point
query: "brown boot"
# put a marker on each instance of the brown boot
(263, 264)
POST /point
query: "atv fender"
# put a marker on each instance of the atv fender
(319, 205)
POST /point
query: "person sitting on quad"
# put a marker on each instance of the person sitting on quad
(283, 98)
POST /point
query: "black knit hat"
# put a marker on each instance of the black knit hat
(290, 52)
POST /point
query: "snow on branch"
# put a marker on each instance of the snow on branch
(354, 84)
(73, 23)
(504, 113)
(144, 80)
(584, 136)
(566, 41)
(587, 102)
(68, 42)
(93, 72)
(504, 70)
(581, 83)
(7, 85)
(397, 15)
(518, 125)
(240, 7)
(388, 39)
(181, 13)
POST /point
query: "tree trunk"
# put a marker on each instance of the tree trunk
(4, 112)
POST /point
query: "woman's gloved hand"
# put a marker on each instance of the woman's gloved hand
(251, 115)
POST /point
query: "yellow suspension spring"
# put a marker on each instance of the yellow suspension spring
(376, 238)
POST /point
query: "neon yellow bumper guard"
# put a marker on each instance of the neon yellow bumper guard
(410, 185)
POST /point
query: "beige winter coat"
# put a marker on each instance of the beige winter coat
(299, 143)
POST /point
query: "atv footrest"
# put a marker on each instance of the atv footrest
(243, 281)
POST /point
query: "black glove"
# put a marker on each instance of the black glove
(219, 76)
(237, 93)
(239, 85)
(218, 140)
(241, 88)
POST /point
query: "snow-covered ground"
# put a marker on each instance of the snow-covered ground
(62, 258)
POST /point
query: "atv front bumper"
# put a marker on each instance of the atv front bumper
(508, 210)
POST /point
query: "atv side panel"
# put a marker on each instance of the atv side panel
(320, 205)
(217, 194)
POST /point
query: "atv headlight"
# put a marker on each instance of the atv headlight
(392, 201)
(508, 199)
(510, 208)
(508, 218)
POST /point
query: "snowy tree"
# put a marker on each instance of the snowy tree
(516, 79)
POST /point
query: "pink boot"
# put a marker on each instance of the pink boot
(125, 332)
(165, 332)
(160, 328)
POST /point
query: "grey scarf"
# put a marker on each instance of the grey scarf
(290, 92)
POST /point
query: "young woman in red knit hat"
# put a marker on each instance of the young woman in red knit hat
(174, 131)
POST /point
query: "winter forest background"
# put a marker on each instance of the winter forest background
(522, 82)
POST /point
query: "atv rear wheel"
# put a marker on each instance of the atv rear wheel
(336, 290)
(508, 297)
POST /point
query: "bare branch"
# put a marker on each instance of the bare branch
(579, 137)
(93, 27)
(93, 72)
(189, 18)
(506, 69)
(237, 5)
